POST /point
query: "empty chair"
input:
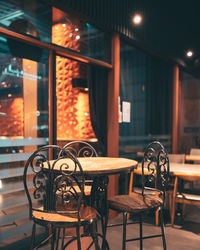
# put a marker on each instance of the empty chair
(194, 155)
(82, 149)
(195, 151)
(54, 203)
(152, 197)
(176, 158)
(182, 197)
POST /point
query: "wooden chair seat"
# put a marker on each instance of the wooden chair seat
(86, 213)
(185, 196)
(135, 202)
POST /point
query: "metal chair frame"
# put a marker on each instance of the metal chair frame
(157, 163)
(55, 199)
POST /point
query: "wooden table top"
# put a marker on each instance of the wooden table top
(195, 158)
(184, 168)
(100, 165)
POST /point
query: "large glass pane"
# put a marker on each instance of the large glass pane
(24, 120)
(189, 120)
(32, 18)
(72, 33)
(145, 84)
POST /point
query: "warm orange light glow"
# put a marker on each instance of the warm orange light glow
(72, 104)
(12, 124)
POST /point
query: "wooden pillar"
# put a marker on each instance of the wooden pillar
(113, 125)
(175, 108)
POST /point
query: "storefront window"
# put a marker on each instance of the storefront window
(145, 101)
(71, 33)
(24, 126)
(32, 18)
(189, 121)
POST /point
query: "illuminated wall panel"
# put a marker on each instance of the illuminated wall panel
(12, 122)
(73, 116)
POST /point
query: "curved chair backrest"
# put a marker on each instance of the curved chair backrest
(50, 184)
(156, 163)
(81, 149)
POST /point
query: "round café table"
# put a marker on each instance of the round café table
(99, 165)
(98, 169)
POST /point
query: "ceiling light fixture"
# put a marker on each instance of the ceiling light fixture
(137, 19)
(189, 53)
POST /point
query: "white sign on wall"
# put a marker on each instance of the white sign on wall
(126, 111)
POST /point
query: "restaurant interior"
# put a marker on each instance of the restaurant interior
(119, 77)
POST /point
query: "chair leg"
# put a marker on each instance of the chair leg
(124, 230)
(174, 201)
(183, 210)
(157, 217)
(63, 238)
(78, 237)
(141, 232)
(53, 237)
(57, 238)
(170, 203)
(33, 235)
(162, 229)
(94, 235)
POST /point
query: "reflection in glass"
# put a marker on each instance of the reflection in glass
(24, 120)
(23, 102)
(29, 14)
(71, 33)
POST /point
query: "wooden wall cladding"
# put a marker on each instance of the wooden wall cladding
(73, 116)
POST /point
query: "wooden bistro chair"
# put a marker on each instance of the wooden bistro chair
(54, 203)
(180, 196)
(152, 196)
(177, 158)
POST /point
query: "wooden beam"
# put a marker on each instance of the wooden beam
(49, 46)
(113, 125)
(175, 108)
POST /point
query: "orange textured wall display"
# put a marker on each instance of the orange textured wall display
(12, 122)
(73, 116)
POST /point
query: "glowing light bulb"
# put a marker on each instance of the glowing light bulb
(189, 53)
(137, 19)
